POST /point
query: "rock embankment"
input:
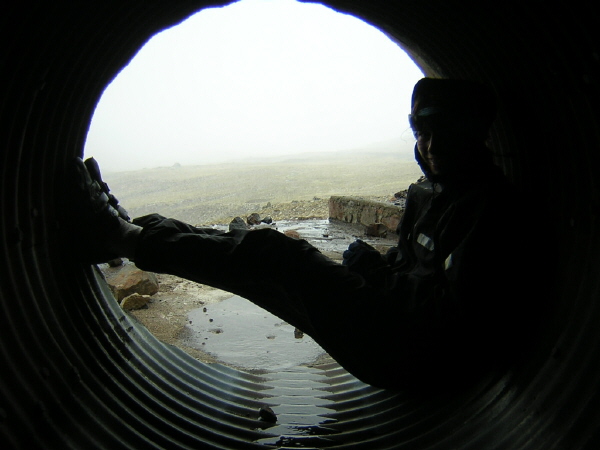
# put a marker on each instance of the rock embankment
(377, 217)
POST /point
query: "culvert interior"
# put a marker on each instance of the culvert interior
(78, 373)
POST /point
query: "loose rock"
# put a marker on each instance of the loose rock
(128, 280)
(376, 230)
(292, 233)
(117, 262)
(253, 219)
(135, 301)
(267, 414)
(238, 224)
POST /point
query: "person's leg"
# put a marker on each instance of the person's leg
(353, 321)
(251, 264)
(356, 323)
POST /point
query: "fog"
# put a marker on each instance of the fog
(256, 78)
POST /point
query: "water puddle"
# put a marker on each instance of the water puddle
(240, 334)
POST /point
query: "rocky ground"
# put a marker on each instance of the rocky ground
(167, 313)
(205, 195)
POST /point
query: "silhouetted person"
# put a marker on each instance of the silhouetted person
(448, 303)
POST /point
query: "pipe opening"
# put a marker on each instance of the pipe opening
(253, 69)
(78, 373)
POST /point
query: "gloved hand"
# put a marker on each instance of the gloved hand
(362, 258)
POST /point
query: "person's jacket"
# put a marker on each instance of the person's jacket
(459, 281)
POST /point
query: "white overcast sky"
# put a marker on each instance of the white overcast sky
(255, 78)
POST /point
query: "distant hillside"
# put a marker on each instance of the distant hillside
(205, 194)
(397, 148)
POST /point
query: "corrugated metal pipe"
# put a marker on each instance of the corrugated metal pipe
(78, 373)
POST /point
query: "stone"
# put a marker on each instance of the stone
(253, 219)
(116, 262)
(376, 230)
(365, 212)
(135, 301)
(238, 224)
(292, 233)
(128, 280)
(400, 198)
(267, 414)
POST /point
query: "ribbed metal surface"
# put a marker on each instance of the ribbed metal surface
(78, 373)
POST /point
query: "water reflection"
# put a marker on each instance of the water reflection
(238, 333)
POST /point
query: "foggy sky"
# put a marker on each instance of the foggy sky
(258, 77)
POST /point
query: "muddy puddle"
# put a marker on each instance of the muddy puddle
(238, 333)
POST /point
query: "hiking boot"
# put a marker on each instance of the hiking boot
(92, 222)
(94, 170)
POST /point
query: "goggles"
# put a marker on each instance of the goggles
(437, 119)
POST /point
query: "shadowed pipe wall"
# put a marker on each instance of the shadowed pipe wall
(77, 373)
